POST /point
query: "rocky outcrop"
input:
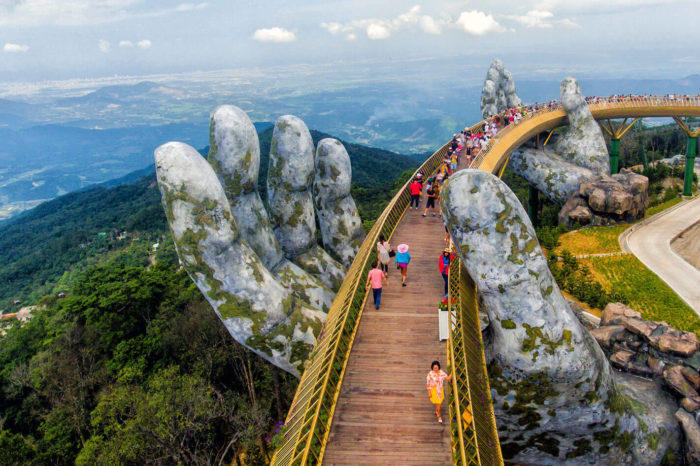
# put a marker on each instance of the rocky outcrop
(692, 436)
(341, 227)
(573, 173)
(606, 200)
(269, 281)
(555, 397)
(498, 92)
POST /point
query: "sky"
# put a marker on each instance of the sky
(78, 39)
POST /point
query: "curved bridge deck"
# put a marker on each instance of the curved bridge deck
(383, 415)
(362, 397)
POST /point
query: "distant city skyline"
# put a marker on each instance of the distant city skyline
(88, 39)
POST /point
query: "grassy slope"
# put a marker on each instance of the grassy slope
(642, 289)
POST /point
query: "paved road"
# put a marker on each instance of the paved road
(651, 243)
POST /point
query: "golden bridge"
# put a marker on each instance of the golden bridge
(362, 396)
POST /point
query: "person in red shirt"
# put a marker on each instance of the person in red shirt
(374, 279)
(444, 266)
(416, 188)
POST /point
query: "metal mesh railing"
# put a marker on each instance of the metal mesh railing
(472, 421)
(309, 419)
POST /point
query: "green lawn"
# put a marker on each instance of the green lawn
(644, 291)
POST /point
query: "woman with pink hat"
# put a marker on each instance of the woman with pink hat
(402, 260)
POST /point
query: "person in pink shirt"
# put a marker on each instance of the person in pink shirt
(434, 384)
(374, 279)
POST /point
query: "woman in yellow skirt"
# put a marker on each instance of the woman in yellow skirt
(434, 383)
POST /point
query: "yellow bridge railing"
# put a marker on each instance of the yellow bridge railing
(472, 421)
(309, 420)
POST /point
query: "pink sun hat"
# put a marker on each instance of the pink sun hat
(402, 248)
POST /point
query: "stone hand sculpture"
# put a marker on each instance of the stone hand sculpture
(498, 92)
(265, 275)
(574, 169)
(555, 397)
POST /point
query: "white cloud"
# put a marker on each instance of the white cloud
(33, 13)
(478, 23)
(429, 25)
(275, 34)
(15, 48)
(144, 44)
(126, 43)
(378, 29)
(191, 6)
(103, 45)
(542, 19)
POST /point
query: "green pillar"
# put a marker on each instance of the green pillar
(614, 155)
(690, 151)
(533, 206)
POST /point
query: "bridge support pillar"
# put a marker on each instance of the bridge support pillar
(533, 204)
(614, 155)
(690, 152)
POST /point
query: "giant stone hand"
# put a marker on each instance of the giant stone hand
(264, 275)
(555, 397)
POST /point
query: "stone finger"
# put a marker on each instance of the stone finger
(256, 309)
(341, 227)
(289, 184)
(234, 155)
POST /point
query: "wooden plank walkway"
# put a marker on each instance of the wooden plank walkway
(383, 415)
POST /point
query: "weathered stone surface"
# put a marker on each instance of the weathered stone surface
(640, 327)
(677, 383)
(692, 436)
(289, 179)
(234, 154)
(617, 313)
(694, 361)
(656, 365)
(620, 359)
(692, 377)
(582, 143)
(677, 342)
(606, 335)
(498, 92)
(690, 404)
(573, 170)
(321, 265)
(557, 179)
(640, 369)
(256, 309)
(341, 227)
(547, 373)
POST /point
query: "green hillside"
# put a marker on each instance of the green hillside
(43, 251)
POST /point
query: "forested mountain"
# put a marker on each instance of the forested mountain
(42, 251)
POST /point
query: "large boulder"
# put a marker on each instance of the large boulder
(555, 397)
(498, 92)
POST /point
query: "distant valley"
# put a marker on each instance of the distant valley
(57, 141)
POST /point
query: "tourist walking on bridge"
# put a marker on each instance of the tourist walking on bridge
(402, 260)
(416, 188)
(384, 253)
(434, 384)
(374, 279)
(444, 266)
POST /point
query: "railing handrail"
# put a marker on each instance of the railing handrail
(316, 394)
